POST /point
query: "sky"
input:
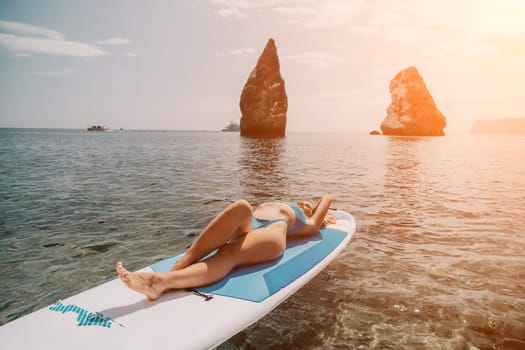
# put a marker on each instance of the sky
(181, 65)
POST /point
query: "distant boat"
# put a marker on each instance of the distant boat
(232, 127)
(97, 128)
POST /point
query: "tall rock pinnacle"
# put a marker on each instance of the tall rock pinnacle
(412, 111)
(263, 100)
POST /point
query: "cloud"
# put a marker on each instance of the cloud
(238, 52)
(291, 11)
(326, 13)
(335, 13)
(26, 39)
(513, 45)
(56, 72)
(113, 41)
(231, 12)
(453, 24)
(318, 59)
(248, 4)
(257, 4)
(27, 29)
(247, 51)
(23, 44)
(365, 30)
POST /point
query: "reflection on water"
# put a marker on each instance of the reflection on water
(262, 169)
(402, 182)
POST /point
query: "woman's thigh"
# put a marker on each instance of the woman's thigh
(258, 246)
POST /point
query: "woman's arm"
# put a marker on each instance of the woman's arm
(314, 222)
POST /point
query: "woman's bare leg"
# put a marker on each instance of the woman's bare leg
(258, 246)
(232, 222)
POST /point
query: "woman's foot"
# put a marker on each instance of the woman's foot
(142, 282)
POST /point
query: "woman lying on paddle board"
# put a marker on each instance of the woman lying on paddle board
(242, 236)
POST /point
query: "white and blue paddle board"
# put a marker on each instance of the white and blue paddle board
(112, 316)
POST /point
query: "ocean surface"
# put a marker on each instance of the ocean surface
(437, 262)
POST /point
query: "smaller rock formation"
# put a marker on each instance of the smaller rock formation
(263, 100)
(374, 132)
(412, 111)
(507, 126)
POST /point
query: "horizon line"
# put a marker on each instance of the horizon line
(359, 132)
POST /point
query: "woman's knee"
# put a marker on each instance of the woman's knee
(241, 207)
(242, 203)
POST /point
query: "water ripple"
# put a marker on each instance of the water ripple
(437, 261)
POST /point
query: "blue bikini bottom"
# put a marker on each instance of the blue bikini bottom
(260, 223)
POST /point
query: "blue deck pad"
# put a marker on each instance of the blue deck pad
(258, 282)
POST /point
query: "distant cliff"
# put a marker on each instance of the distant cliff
(510, 126)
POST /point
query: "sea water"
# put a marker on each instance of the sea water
(437, 260)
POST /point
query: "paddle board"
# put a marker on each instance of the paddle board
(113, 316)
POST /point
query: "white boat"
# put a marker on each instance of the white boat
(97, 128)
(232, 127)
